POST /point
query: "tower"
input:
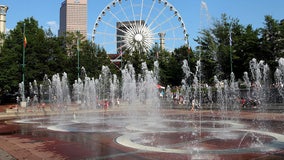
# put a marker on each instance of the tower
(3, 11)
(162, 40)
(73, 17)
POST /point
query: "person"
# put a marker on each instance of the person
(243, 102)
(106, 104)
(174, 97)
(117, 102)
(162, 93)
(181, 100)
(18, 103)
(193, 104)
(74, 116)
(254, 103)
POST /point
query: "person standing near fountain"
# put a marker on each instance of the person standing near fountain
(106, 104)
(117, 102)
(194, 104)
(243, 102)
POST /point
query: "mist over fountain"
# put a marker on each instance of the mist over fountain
(144, 121)
(279, 76)
(134, 117)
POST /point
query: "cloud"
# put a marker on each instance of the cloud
(53, 26)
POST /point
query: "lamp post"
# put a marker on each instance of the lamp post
(157, 50)
(78, 54)
(230, 39)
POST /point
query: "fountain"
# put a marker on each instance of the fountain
(217, 129)
(279, 76)
(106, 118)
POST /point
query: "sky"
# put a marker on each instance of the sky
(46, 12)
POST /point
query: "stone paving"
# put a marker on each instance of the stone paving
(25, 141)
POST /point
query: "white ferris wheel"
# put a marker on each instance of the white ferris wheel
(139, 25)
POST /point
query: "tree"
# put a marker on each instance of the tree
(136, 58)
(215, 47)
(2, 38)
(272, 40)
(43, 55)
(208, 54)
(10, 61)
(164, 65)
(246, 47)
(227, 44)
(91, 57)
(174, 71)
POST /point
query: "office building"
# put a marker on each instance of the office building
(73, 17)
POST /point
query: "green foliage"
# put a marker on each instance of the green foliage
(219, 53)
(48, 54)
(136, 59)
(170, 66)
(45, 54)
(272, 40)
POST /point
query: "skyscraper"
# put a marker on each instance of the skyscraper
(73, 17)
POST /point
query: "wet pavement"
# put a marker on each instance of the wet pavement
(123, 134)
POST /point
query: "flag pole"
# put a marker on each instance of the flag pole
(24, 54)
(23, 67)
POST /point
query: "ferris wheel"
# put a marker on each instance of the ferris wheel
(139, 25)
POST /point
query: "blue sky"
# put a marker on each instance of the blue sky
(46, 12)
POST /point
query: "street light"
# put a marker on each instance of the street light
(78, 53)
(157, 50)
(230, 39)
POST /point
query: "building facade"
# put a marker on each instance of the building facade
(73, 17)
